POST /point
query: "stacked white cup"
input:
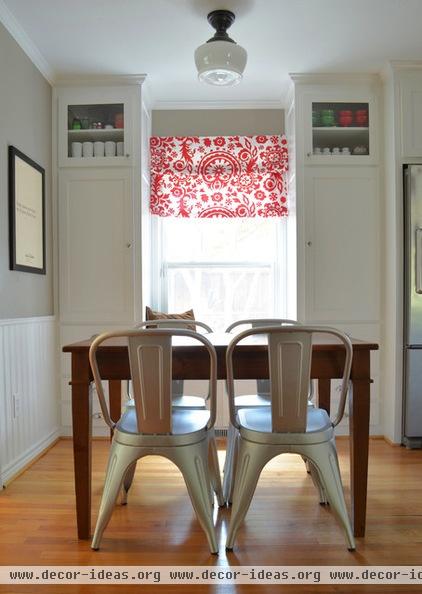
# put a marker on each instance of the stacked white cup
(110, 148)
(77, 150)
(99, 148)
(88, 149)
(120, 149)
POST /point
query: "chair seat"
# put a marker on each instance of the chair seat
(193, 402)
(254, 400)
(183, 421)
(255, 425)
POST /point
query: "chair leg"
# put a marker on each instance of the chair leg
(192, 461)
(235, 459)
(214, 469)
(120, 458)
(127, 482)
(251, 459)
(228, 462)
(313, 471)
(324, 457)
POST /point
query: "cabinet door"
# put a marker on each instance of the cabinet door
(341, 244)
(93, 104)
(95, 243)
(335, 136)
(411, 115)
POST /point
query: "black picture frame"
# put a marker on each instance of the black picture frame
(26, 214)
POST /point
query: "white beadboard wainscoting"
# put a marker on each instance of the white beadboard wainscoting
(29, 420)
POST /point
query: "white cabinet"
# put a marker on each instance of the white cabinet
(96, 252)
(411, 113)
(100, 199)
(335, 199)
(102, 209)
(341, 244)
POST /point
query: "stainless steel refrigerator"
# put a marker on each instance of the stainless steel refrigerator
(412, 418)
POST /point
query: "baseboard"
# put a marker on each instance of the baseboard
(20, 464)
(94, 438)
(390, 442)
(66, 431)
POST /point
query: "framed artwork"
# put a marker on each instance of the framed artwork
(26, 213)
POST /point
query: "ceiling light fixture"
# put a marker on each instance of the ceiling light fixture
(220, 61)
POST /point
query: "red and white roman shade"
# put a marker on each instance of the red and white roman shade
(221, 176)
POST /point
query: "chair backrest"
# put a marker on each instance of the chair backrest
(263, 385)
(175, 323)
(289, 361)
(260, 322)
(150, 358)
(188, 324)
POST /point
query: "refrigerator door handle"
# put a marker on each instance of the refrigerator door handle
(418, 261)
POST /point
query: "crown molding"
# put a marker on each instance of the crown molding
(25, 42)
(209, 104)
(393, 69)
(99, 80)
(334, 78)
(397, 65)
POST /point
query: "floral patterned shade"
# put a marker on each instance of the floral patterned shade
(221, 176)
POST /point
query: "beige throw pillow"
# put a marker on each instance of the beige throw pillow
(151, 314)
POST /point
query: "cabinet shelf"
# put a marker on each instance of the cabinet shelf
(338, 136)
(342, 129)
(96, 134)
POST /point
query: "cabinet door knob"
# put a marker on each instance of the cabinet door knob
(128, 245)
(127, 155)
(308, 154)
(309, 243)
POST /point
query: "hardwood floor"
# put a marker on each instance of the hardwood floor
(284, 526)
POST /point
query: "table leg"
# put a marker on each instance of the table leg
(324, 394)
(359, 399)
(115, 397)
(82, 432)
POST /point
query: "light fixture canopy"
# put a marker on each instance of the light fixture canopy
(220, 61)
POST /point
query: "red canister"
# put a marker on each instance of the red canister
(345, 117)
(118, 120)
(361, 117)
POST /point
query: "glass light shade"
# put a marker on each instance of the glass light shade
(220, 63)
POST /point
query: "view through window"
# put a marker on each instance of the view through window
(225, 269)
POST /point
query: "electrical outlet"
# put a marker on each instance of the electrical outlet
(16, 399)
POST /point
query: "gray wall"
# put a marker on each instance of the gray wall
(214, 122)
(25, 122)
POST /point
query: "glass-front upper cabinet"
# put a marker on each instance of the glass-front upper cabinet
(340, 131)
(93, 133)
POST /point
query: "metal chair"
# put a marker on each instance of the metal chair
(178, 399)
(261, 398)
(154, 427)
(288, 424)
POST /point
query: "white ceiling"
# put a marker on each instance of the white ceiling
(158, 37)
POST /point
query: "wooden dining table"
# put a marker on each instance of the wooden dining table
(190, 361)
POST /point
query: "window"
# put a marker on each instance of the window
(226, 269)
(220, 229)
